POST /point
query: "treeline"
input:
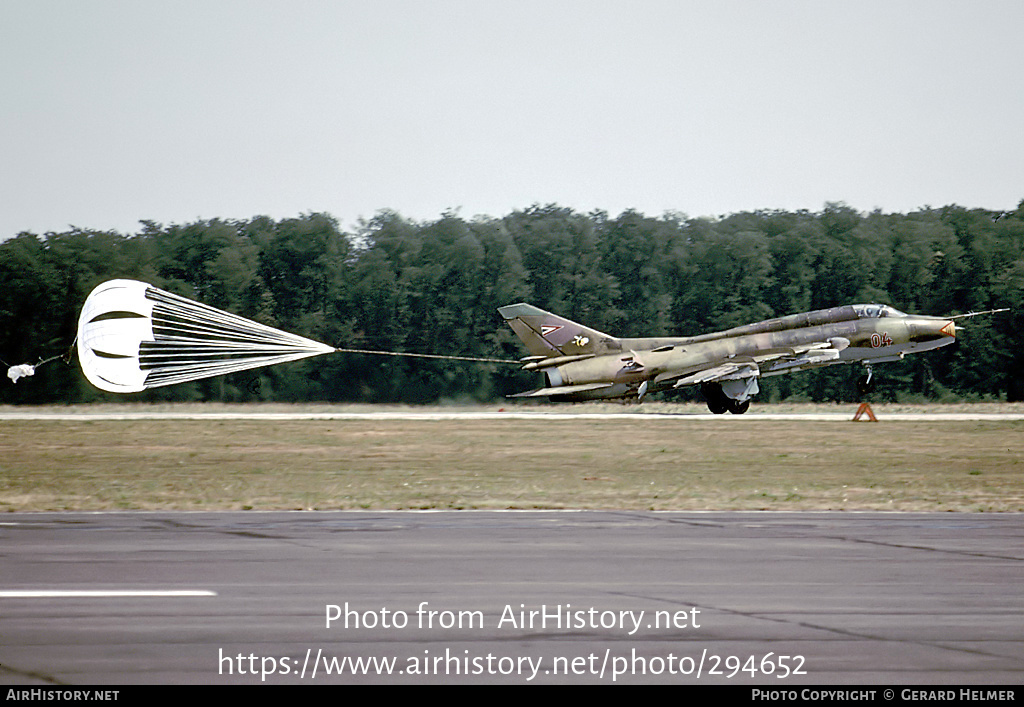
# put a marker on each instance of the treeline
(434, 287)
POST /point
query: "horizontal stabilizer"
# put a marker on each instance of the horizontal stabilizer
(561, 390)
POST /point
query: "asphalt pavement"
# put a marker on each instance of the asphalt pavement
(516, 597)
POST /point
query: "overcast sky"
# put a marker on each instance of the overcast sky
(116, 111)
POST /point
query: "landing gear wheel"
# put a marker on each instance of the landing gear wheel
(718, 407)
(738, 408)
(717, 401)
(865, 385)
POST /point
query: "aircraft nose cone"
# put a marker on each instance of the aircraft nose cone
(937, 331)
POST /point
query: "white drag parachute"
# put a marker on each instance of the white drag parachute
(133, 336)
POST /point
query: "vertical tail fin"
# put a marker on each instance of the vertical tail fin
(546, 334)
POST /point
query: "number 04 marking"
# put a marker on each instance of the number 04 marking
(878, 340)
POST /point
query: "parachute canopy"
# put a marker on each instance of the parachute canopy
(133, 336)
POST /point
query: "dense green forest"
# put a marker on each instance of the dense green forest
(434, 287)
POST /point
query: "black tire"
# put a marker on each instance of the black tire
(717, 401)
(864, 387)
(738, 408)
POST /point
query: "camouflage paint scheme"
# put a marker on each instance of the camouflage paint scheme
(584, 364)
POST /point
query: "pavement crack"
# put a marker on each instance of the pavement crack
(6, 669)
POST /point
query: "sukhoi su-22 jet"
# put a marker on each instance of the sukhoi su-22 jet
(580, 363)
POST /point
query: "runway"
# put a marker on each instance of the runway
(510, 414)
(585, 597)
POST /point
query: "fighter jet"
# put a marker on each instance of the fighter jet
(580, 363)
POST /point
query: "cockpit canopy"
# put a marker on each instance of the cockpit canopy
(875, 311)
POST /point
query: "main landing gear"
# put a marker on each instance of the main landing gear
(719, 403)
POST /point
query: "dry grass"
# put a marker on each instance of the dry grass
(658, 463)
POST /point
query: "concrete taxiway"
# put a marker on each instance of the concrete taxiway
(775, 599)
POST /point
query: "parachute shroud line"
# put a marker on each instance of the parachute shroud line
(133, 336)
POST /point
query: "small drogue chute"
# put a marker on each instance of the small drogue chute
(133, 336)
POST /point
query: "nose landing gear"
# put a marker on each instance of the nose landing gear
(864, 384)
